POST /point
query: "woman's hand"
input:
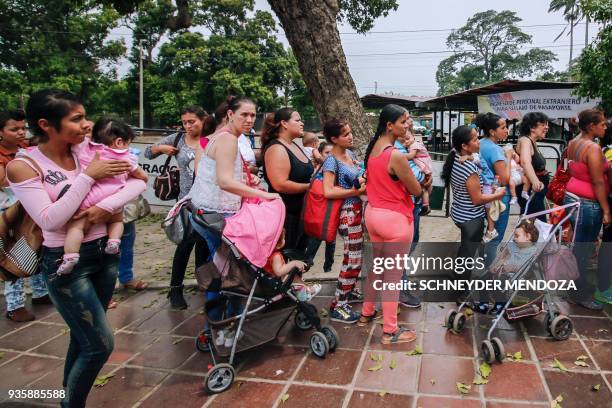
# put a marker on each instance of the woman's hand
(99, 169)
(270, 196)
(607, 220)
(427, 181)
(165, 149)
(537, 186)
(361, 190)
(95, 215)
(500, 192)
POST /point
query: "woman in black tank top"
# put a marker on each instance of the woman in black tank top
(534, 128)
(287, 169)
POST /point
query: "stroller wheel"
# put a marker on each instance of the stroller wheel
(450, 319)
(201, 343)
(332, 337)
(561, 327)
(302, 321)
(458, 322)
(488, 353)
(219, 378)
(319, 344)
(498, 347)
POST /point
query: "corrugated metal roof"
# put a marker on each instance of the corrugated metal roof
(467, 100)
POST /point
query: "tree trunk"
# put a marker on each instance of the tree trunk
(312, 32)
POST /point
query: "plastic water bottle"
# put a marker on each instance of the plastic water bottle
(496, 183)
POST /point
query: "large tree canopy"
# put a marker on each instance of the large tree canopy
(594, 65)
(487, 49)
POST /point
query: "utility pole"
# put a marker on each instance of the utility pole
(141, 89)
(375, 87)
(586, 32)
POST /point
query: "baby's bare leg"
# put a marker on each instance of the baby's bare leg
(512, 186)
(115, 231)
(75, 233)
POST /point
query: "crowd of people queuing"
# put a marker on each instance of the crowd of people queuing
(77, 178)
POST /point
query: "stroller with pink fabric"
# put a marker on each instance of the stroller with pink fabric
(548, 260)
(262, 304)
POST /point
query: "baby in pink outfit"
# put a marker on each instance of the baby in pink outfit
(418, 153)
(110, 140)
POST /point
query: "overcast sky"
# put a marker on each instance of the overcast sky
(416, 74)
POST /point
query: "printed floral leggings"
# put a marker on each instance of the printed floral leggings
(351, 231)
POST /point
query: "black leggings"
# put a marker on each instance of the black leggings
(181, 257)
(471, 239)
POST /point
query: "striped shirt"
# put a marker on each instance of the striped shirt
(462, 208)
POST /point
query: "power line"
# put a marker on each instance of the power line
(437, 52)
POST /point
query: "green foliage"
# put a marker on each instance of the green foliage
(487, 49)
(360, 14)
(59, 44)
(595, 61)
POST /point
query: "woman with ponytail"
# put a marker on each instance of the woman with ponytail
(495, 164)
(467, 211)
(388, 217)
(287, 169)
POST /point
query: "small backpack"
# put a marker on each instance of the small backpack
(166, 186)
(20, 240)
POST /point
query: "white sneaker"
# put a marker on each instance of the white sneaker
(490, 236)
(513, 200)
(229, 338)
(525, 195)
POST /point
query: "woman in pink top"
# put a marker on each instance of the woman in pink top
(110, 140)
(388, 217)
(81, 297)
(588, 184)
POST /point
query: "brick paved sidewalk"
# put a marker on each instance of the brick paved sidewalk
(155, 363)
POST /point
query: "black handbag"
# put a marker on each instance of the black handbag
(166, 185)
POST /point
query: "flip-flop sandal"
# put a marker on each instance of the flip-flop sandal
(136, 285)
(365, 320)
(395, 338)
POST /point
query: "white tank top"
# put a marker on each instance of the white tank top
(206, 193)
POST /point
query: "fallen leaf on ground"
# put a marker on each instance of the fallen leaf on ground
(278, 372)
(382, 393)
(469, 312)
(556, 402)
(559, 365)
(463, 388)
(393, 364)
(484, 370)
(441, 306)
(284, 398)
(1, 354)
(323, 313)
(154, 301)
(102, 380)
(596, 387)
(581, 358)
(377, 367)
(581, 363)
(416, 351)
(177, 341)
(478, 380)
(518, 356)
(63, 331)
(432, 381)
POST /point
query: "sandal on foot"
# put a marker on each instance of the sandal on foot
(112, 304)
(402, 335)
(136, 285)
(365, 320)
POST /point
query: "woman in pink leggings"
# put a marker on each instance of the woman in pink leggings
(388, 217)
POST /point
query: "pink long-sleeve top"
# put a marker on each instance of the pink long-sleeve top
(52, 203)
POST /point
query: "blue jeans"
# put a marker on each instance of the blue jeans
(590, 219)
(313, 247)
(15, 294)
(81, 298)
(490, 248)
(126, 260)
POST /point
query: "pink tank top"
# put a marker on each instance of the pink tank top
(580, 182)
(382, 190)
